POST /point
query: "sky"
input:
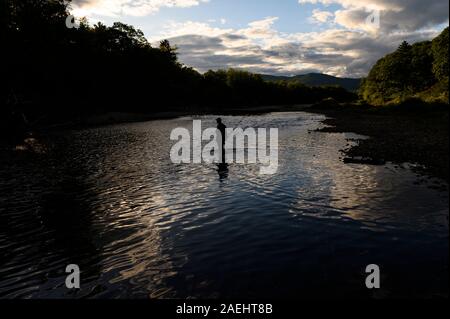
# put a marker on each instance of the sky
(280, 37)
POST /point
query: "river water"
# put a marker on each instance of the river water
(110, 200)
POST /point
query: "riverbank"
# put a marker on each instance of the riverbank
(399, 135)
(111, 118)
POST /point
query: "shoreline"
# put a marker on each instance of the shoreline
(419, 138)
(112, 118)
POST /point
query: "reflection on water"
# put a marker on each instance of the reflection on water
(222, 169)
(110, 200)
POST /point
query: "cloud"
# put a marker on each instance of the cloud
(319, 16)
(395, 15)
(175, 29)
(260, 29)
(359, 50)
(127, 7)
(261, 48)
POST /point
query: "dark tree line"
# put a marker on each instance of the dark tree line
(52, 72)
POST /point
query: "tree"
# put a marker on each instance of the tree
(440, 54)
(127, 37)
(168, 50)
(409, 71)
(421, 74)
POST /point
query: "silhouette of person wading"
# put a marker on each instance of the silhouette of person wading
(223, 167)
(222, 128)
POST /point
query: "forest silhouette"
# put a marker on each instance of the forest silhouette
(54, 73)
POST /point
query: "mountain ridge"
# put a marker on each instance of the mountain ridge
(318, 79)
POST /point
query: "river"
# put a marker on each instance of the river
(110, 200)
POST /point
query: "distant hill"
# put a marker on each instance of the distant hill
(318, 79)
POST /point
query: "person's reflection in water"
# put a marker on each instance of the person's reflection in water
(222, 168)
